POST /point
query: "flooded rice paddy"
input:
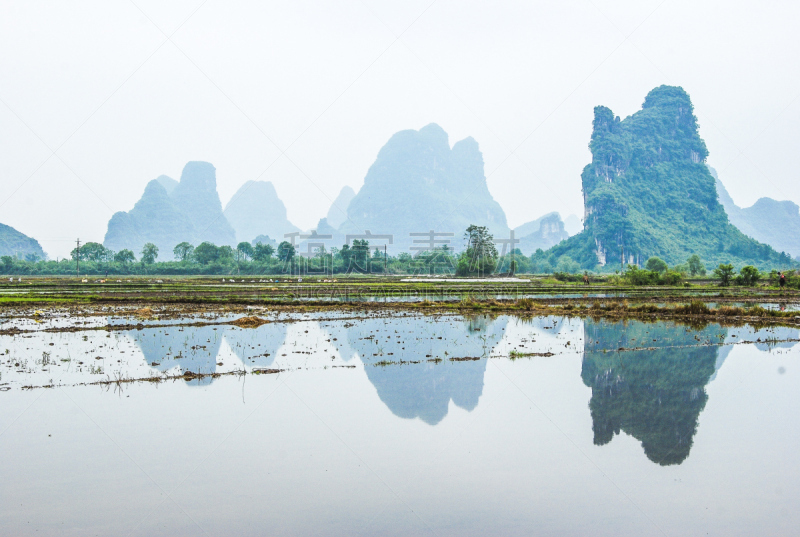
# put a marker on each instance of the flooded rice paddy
(395, 423)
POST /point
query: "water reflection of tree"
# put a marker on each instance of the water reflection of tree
(654, 395)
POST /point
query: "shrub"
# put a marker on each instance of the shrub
(567, 277)
(671, 278)
(566, 264)
(724, 273)
(655, 264)
(697, 307)
(748, 276)
(636, 276)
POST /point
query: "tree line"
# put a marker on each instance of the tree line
(479, 258)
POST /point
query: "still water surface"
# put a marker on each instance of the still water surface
(402, 425)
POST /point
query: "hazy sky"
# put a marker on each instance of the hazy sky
(98, 98)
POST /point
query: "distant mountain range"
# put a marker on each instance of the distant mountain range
(418, 183)
(544, 232)
(337, 214)
(776, 223)
(170, 212)
(648, 192)
(256, 210)
(19, 245)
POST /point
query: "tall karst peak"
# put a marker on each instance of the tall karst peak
(648, 192)
(418, 183)
(155, 189)
(257, 210)
(170, 212)
(167, 182)
(196, 195)
(199, 176)
(544, 232)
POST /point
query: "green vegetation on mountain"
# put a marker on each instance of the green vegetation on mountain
(16, 244)
(648, 193)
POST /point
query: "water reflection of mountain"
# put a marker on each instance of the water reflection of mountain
(193, 348)
(424, 390)
(256, 346)
(196, 348)
(765, 339)
(656, 395)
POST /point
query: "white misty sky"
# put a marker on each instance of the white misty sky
(98, 98)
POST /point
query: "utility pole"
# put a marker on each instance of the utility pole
(385, 260)
(78, 259)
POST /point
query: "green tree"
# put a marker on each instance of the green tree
(360, 253)
(91, 251)
(724, 273)
(480, 256)
(566, 264)
(183, 251)
(540, 263)
(149, 253)
(206, 253)
(262, 252)
(226, 253)
(748, 276)
(245, 250)
(123, 257)
(696, 266)
(8, 263)
(656, 264)
(286, 251)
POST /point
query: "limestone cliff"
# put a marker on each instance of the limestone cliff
(171, 212)
(544, 232)
(648, 192)
(419, 183)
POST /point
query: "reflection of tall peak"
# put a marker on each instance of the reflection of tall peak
(656, 395)
(477, 323)
(192, 348)
(256, 346)
(424, 389)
